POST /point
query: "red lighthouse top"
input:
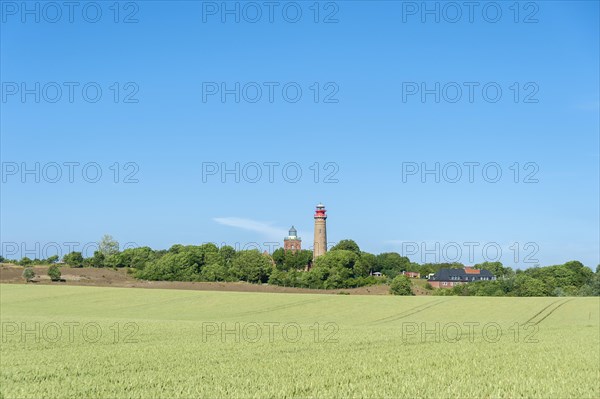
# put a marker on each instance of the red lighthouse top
(320, 212)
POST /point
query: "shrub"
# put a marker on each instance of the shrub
(214, 272)
(25, 261)
(54, 273)
(251, 266)
(428, 286)
(51, 259)
(28, 274)
(401, 286)
(73, 259)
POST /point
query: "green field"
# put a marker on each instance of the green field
(138, 343)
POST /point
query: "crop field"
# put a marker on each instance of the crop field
(74, 342)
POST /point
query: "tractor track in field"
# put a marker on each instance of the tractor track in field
(409, 312)
(537, 314)
(279, 307)
(531, 319)
(552, 311)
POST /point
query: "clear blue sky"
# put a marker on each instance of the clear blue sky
(371, 58)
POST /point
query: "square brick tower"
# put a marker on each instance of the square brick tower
(292, 242)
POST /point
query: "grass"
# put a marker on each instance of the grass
(169, 344)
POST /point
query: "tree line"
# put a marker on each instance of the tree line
(343, 266)
(569, 279)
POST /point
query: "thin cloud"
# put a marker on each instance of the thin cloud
(266, 229)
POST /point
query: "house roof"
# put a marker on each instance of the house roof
(451, 274)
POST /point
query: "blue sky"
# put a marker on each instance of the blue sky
(364, 132)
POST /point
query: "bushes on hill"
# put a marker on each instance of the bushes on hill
(73, 259)
(401, 285)
(54, 273)
(570, 279)
(288, 260)
(391, 264)
(346, 245)
(208, 263)
(180, 263)
(25, 261)
(344, 266)
(251, 266)
(28, 274)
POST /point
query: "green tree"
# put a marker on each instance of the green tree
(136, 257)
(113, 261)
(529, 286)
(171, 267)
(296, 260)
(181, 263)
(278, 277)
(176, 248)
(391, 264)
(338, 278)
(251, 266)
(52, 259)
(401, 286)
(593, 287)
(25, 261)
(340, 269)
(346, 245)
(496, 268)
(226, 255)
(215, 272)
(28, 274)
(54, 273)
(290, 278)
(340, 259)
(73, 259)
(365, 264)
(98, 259)
(279, 258)
(313, 279)
(581, 274)
(108, 245)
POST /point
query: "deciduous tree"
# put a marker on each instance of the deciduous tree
(401, 285)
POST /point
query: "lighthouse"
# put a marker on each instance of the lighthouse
(320, 231)
(292, 242)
